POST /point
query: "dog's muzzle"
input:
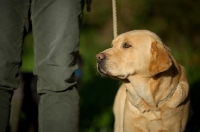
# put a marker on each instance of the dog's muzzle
(100, 58)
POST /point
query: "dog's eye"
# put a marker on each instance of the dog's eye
(126, 45)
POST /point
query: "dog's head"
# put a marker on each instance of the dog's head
(134, 52)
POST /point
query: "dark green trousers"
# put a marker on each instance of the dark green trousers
(55, 25)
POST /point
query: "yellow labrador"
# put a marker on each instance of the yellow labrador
(154, 94)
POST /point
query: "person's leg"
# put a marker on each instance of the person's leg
(14, 16)
(56, 43)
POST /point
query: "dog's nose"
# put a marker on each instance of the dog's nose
(100, 57)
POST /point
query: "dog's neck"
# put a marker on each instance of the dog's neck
(155, 89)
(140, 84)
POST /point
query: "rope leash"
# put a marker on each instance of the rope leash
(114, 18)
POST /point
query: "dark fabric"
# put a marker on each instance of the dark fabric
(55, 26)
(59, 111)
(5, 99)
(14, 16)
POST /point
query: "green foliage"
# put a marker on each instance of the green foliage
(28, 55)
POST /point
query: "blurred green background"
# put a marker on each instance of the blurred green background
(177, 22)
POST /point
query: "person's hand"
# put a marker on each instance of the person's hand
(88, 4)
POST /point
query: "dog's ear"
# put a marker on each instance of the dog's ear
(160, 60)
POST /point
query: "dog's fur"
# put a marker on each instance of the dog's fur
(154, 94)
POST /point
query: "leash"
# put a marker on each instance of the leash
(114, 18)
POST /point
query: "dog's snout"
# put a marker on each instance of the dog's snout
(100, 57)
